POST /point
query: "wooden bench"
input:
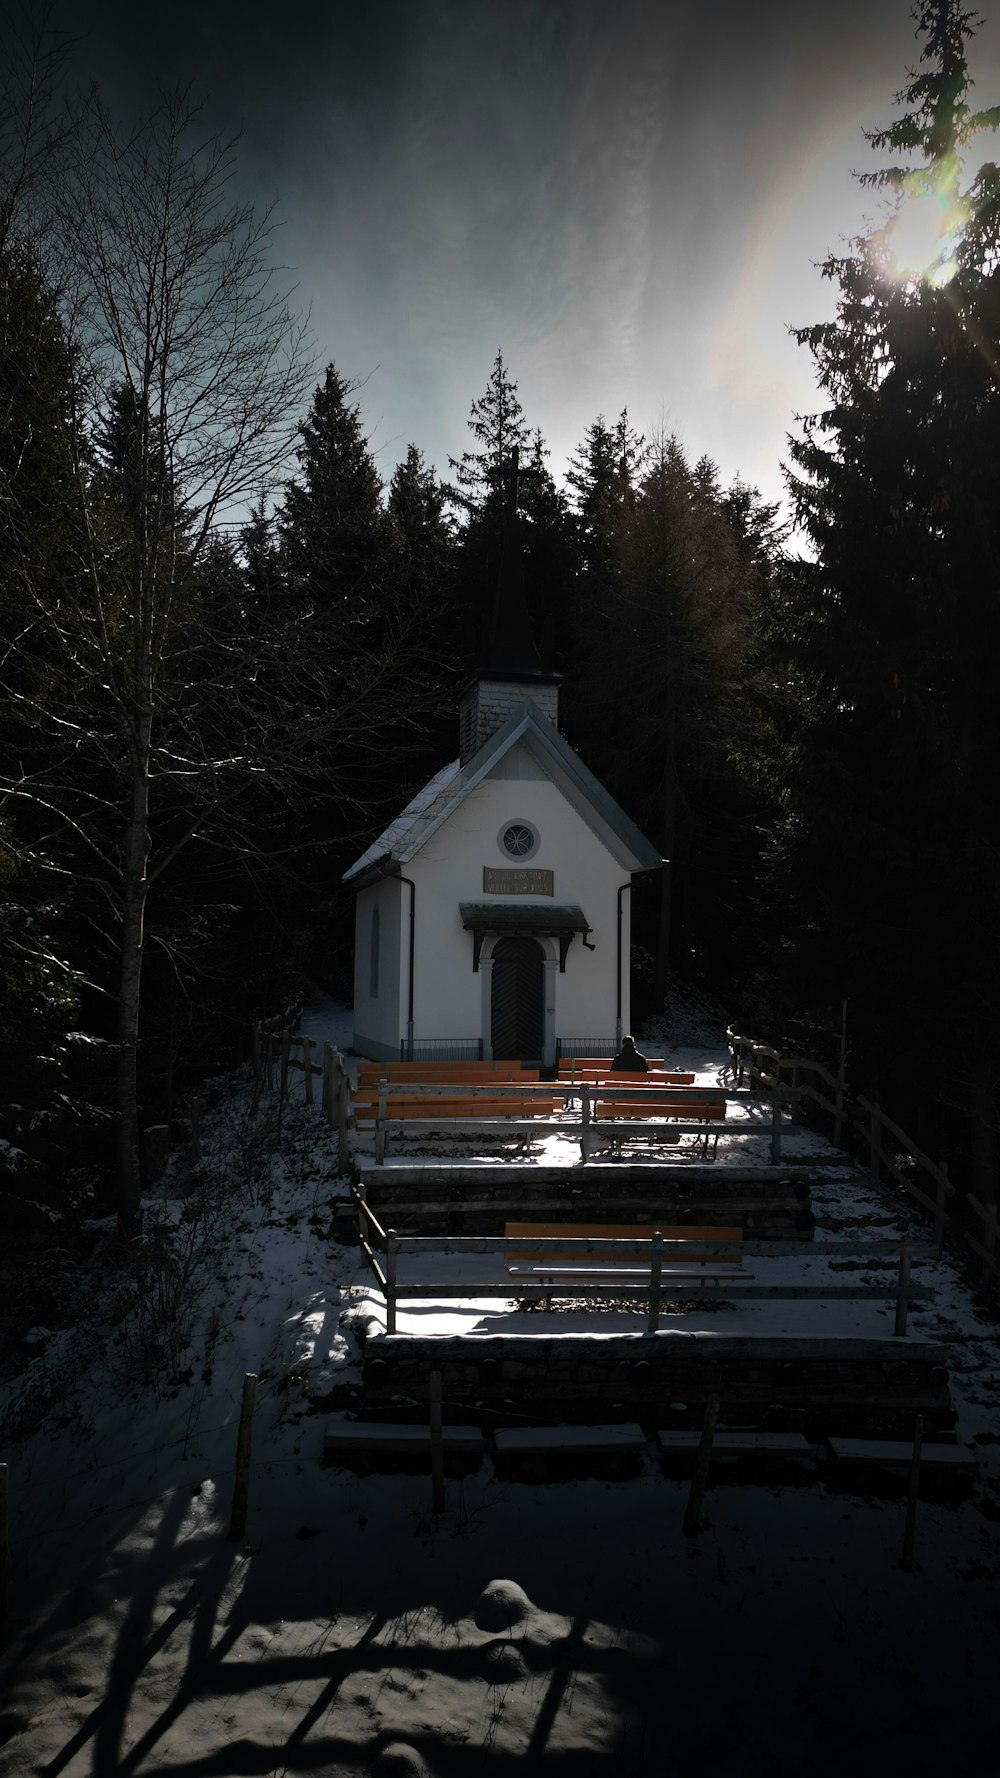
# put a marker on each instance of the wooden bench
(578, 1067)
(587, 1073)
(498, 1108)
(668, 1113)
(401, 1106)
(654, 1105)
(443, 1073)
(705, 1255)
(471, 1097)
(573, 1076)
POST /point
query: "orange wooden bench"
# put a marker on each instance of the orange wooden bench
(704, 1254)
(481, 1107)
(446, 1073)
(660, 1113)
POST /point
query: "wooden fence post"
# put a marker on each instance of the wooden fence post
(838, 1114)
(307, 1068)
(655, 1283)
(283, 1081)
(939, 1210)
(437, 1445)
(902, 1288)
(241, 1485)
(875, 1154)
(328, 1088)
(380, 1125)
(585, 1121)
(4, 1543)
(390, 1281)
(362, 1199)
(776, 1128)
(194, 1145)
(989, 1263)
(692, 1515)
(343, 1121)
(910, 1530)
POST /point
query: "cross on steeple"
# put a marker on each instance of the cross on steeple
(507, 477)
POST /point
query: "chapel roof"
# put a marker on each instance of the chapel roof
(445, 793)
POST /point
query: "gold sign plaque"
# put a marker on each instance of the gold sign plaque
(517, 882)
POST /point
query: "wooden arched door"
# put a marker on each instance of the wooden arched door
(518, 998)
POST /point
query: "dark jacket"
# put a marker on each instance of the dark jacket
(628, 1060)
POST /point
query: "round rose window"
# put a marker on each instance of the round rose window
(519, 839)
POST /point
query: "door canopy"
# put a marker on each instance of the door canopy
(506, 919)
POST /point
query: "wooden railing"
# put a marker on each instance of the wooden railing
(797, 1083)
(861, 1125)
(279, 1052)
(383, 1247)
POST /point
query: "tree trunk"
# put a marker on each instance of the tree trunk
(136, 853)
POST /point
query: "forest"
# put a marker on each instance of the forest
(229, 653)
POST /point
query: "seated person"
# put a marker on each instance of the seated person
(628, 1059)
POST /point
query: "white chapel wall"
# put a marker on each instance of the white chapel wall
(449, 870)
(377, 1016)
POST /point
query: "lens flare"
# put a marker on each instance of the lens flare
(923, 237)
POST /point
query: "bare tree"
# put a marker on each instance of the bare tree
(189, 369)
(36, 125)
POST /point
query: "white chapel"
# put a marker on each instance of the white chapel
(493, 915)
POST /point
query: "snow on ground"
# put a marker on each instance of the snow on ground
(569, 1627)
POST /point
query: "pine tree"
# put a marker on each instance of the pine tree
(657, 704)
(602, 475)
(416, 508)
(331, 522)
(894, 630)
(499, 427)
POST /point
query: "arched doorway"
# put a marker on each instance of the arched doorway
(517, 1000)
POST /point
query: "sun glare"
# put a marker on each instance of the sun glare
(923, 237)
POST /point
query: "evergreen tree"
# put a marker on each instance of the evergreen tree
(551, 559)
(894, 630)
(541, 547)
(423, 559)
(602, 475)
(416, 508)
(499, 428)
(331, 523)
(262, 565)
(657, 703)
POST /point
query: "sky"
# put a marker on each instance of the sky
(630, 200)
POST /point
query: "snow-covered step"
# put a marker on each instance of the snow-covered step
(534, 1441)
(741, 1444)
(898, 1454)
(358, 1435)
